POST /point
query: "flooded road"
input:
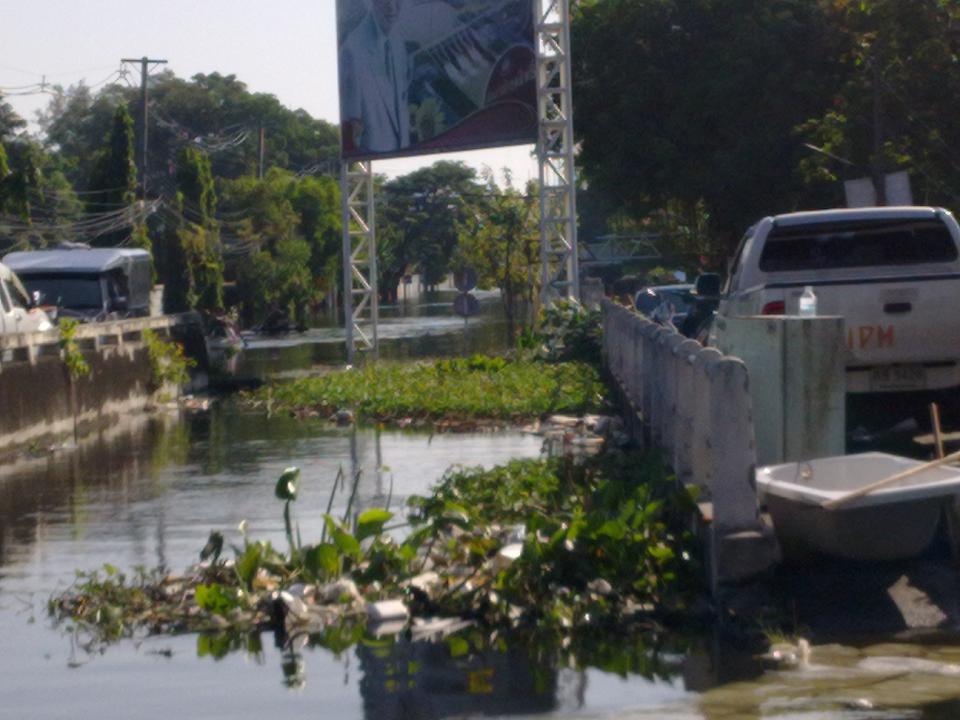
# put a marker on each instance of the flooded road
(149, 493)
(427, 329)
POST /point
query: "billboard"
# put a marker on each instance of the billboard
(424, 76)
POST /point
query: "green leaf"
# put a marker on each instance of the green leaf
(215, 646)
(214, 598)
(458, 646)
(661, 553)
(288, 484)
(249, 563)
(371, 522)
(613, 529)
(346, 543)
(322, 560)
(456, 514)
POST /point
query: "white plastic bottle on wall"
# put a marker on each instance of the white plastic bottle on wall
(808, 302)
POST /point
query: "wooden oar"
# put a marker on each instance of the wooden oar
(867, 489)
(937, 432)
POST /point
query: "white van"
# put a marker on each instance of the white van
(893, 274)
(17, 314)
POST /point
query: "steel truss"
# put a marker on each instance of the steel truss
(360, 301)
(558, 205)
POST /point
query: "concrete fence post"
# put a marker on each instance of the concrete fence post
(657, 371)
(648, 381)
(733, 454)
(671, 417)
(686, 400)
(700, 440)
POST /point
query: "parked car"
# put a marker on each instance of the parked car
(17, 313)
(89, 284)
(893, 273)
(664, 303)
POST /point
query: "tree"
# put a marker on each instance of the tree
(10, 121)
(193, 267)
(895, 108)
(421, 216)
(288, 228)
(316, 200)
(694, 100)
(75, 124)
(113, 183)
(501, 241)
(214, 113)
(22, 182)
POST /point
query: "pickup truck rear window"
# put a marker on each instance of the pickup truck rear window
(863, 244)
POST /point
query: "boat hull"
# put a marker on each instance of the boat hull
(853, 534)
(894, 523)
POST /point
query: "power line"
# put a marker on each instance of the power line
(145, 64)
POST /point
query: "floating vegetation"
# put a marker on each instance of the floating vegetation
(554, 545)
(460, 393)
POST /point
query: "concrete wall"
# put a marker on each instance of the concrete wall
(42, 403)
(693, 403)
(797, 383)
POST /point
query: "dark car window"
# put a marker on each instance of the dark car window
(18, 296)
(649, 299)
(680, 299)
(80, 293)
(862, 244)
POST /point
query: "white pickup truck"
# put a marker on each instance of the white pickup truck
(893, 273)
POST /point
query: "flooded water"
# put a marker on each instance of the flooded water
(150, 492)
(407, 330)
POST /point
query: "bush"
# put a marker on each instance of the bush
(566, 332)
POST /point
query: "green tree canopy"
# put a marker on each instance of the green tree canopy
(285, 232)
(10, 121)
(421, 215)
(895, 109)
(500, 239)
(696, 100)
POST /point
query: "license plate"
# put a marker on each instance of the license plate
(898, 377)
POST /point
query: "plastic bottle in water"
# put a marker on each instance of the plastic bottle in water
(808, 302)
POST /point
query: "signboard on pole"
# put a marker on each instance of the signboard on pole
(424, 76)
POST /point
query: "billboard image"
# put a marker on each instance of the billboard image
(423, 76)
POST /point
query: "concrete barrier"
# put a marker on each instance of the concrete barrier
(42, 403)
(694, 404)
(798, 382)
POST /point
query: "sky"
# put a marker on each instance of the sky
(283, 47)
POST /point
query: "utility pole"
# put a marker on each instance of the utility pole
(145, 64)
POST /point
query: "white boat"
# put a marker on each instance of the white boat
(891, 523)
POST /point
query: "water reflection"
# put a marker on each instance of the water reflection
(149, 493)
(407, 330)
(432, 680)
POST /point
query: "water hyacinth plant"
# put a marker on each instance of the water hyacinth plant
(597, 544)
(463, 389)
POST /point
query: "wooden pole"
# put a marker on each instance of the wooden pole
(937, 433)
(867, 489)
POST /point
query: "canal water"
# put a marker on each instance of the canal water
(149, 493)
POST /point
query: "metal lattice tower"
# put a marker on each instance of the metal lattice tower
(360, 301)
(558, 205)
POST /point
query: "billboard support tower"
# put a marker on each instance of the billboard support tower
(558, 206)
(360, 301)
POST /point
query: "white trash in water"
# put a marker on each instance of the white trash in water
(387, 610)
